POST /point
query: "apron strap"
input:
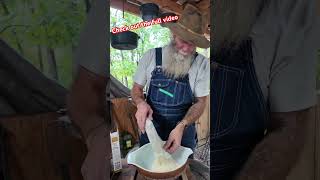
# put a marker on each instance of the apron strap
(159, 56)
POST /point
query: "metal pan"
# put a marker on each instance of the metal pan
(127, 40)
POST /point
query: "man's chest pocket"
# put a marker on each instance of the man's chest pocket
(168, 92)
(226, 86)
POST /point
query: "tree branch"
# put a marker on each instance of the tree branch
(10, 26)
(4, 6)
(88, 5)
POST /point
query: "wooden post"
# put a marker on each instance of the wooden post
(203, 124)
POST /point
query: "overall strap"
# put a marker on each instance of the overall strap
(159, 56)
(195, 57)
(196, 54)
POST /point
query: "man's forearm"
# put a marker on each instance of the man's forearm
(137, 95)
(277, 153)
(195, 110)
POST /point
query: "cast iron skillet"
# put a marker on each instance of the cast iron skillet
(127, 40)
(149, 11)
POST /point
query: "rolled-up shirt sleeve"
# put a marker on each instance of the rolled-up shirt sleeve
(202, 83)
(140, 76)
(292, 81)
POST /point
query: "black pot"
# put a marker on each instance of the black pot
(124, 40)
(149, 11)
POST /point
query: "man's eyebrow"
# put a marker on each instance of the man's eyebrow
(188, 42)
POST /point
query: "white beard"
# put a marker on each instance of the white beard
(233, 20)
(175, 64)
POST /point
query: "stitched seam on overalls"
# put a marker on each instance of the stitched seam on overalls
(236, 113)
(220, 104)
(175, 93)
(237, 106)
(221, 167)
(166, 99)
(219, 110)
(260, 95)
(229, 148)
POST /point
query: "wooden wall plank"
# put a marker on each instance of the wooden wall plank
(203, 124)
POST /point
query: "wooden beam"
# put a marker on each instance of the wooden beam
(128, 7)
(173, 6)
(166, 5)
(203, 5)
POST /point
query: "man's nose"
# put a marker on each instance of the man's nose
(185, 48)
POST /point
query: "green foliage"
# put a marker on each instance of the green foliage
(54, 24)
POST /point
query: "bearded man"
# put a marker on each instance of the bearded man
(177, 83)
(263, 78)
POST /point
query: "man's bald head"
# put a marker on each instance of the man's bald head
(233, 20)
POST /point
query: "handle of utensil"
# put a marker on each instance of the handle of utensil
(149, 118)
(184, 175)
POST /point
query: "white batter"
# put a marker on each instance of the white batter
(163, 163)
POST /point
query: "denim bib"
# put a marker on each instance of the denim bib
(239, 113)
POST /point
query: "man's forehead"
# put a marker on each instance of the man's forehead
(173, 49)
(185, 41)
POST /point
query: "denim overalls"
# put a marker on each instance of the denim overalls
(170, 99)
(239, 113)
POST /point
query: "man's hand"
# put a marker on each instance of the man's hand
(285, 140)
(144, 111)
(174, 140)
(195, 111)
(97, 162)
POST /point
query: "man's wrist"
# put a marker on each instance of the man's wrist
(139, 101)
(182, 124)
